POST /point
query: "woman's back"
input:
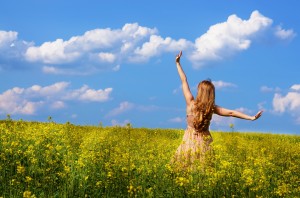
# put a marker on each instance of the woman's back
(190, 117)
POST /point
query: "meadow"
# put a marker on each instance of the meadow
(65, 160)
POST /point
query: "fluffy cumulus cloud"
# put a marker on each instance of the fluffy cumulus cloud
(288, 103)
(86, 94)
(11, 49)
(158, 45)
(7, 38)
(28, 100)
(11, 102)
(98, 47)
(227, 38)
(105, 48)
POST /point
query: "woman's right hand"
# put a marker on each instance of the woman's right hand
(178, 57)
(257, 115)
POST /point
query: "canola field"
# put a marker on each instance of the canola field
(64, 160)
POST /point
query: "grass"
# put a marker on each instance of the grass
(63, 160)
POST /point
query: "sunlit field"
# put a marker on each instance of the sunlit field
(63, 160)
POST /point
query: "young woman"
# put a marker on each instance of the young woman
(199, 111)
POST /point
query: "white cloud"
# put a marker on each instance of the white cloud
(221, 84)
(123, 107)
(103, 49)
(94, 95)
(158, 45)
(107, 57)
(12, 102)
(289, 103)
(94, 43)
(296, 87)
(177, 120)
(28, 100)
(11, 48)
(7, 38)
(58, 105)
(284, 34)
(47, 91)
(227, 38)
(86, 94)
(52, 52)
(266, 89)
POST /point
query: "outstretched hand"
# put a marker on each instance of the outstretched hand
(257, 115)
(178, 57)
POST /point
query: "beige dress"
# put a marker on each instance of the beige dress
(194, 144)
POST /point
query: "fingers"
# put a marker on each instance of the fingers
(178, 56)
(258, 114)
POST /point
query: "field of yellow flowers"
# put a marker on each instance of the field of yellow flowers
(64, 160)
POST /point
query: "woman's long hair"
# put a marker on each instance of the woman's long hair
(204, 105)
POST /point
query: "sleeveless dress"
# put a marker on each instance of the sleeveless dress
(194, 144)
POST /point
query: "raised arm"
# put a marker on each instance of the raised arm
(185, 86)
(233, 113)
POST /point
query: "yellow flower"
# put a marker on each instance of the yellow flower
(12, 182)
(33, 160)
(109, 174)
(27, 194)
(181, 181)
(67, 169)
(131, 189)
(248, 176)
(20, 169)
(149, 190)
(28, 179)
(283, 189)
(98, 183)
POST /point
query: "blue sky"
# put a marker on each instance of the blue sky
(112, 62)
